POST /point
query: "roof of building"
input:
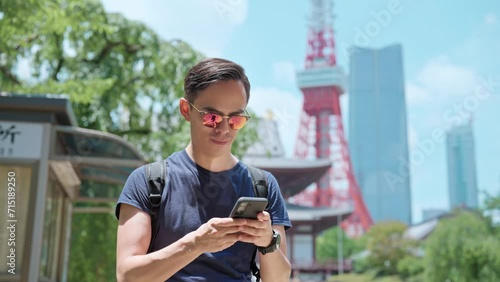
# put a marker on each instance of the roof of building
(269, 144)
(422, 230)
(308, 220)
(293, 175)
(42, 108)
(95, 155)
(298, 212)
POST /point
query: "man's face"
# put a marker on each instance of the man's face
(226, 98)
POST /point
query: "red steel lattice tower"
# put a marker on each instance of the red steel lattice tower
(321, 132)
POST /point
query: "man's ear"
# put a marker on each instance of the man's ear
(184, 109)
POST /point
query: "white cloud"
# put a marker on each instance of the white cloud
(490, 19)
(284, 72)
(206, 25)
(441, 79)
(416, 94)
(433, 93)
(444, 90)
(445, 94)
(481, 51)
(286, 108)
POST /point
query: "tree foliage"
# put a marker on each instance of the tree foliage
(93, 248)
(120, 76)
(462, 248)
(491, 208)
(387, 246)
(410, 266)
(327, 245)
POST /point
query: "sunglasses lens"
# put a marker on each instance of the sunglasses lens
(237, 122)
(211, 120)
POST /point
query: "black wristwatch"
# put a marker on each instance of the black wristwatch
(275, 244)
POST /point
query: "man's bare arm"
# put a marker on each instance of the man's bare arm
(275, 266)
(134, 235)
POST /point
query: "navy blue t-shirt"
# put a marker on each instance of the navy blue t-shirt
(191, 197)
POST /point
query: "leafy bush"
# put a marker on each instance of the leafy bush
(463, 248)
(410, 266)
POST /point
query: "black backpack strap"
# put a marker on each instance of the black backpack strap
(155, 173)
(259, 181)
(260, 189)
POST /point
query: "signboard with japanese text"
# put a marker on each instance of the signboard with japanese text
(20, 140)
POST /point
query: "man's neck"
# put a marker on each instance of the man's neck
(211, 163)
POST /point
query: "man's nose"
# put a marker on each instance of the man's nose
(223, 126)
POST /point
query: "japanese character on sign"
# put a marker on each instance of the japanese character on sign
(11, 131)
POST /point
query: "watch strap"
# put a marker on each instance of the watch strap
(273, 245)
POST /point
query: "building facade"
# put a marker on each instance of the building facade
(462, 180)
(428, 214)
(51, 167)
(378, 132)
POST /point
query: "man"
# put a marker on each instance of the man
(197, 241)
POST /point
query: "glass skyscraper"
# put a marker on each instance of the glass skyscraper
(377, 132)
(462, 181)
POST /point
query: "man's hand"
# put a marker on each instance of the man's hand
(217, 234)
(257, 231)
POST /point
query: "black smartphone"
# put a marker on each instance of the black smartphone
(248, 207)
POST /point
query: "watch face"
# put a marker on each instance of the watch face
(278, 239)
(275, 244)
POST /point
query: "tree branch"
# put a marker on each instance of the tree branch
(131, 49)
(60, 53)
(28, 41)
(135, 131)
(8, 74)
(58, 69)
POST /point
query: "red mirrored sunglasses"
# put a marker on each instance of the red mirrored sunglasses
(212, 120)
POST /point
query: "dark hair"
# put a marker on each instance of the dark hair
(210, 71)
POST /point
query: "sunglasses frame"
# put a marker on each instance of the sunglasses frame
(203, 113)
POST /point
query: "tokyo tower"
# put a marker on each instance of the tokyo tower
(321, 132)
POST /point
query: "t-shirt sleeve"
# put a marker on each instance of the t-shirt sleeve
(277, 204)
(135, 192)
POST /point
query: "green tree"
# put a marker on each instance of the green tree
(93, 248)
(387, 246)
(491, 206)
(120, 78)
(462, 248)
(410, 266)
(327, 245)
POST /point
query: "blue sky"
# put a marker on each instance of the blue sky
(451, 54)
